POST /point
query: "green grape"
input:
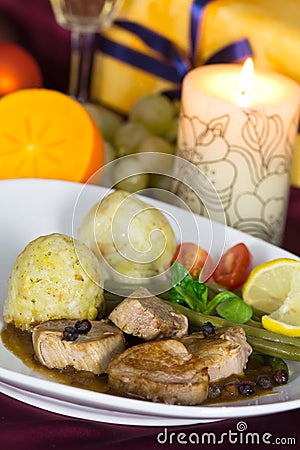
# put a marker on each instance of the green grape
(176, 103)
(109, 151)
(161, 187)
(154, 111)
(159, 181)
(160, 159)
(128, 138)
(129, 175)
(171, 134)
(107, 120)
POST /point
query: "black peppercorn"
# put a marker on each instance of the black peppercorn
(264, 381)
(280, 376)
(70, 334)
(246, 389)
(214, 390)
(208, 329)
(83, 326)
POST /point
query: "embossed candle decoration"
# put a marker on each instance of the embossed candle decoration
(242, 138)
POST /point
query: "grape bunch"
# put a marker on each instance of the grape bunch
(151, 126)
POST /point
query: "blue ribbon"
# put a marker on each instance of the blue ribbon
(235, 52)
(169, 63)
(197, 12)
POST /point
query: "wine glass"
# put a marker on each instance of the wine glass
(84, 18)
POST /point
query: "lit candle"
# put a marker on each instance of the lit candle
(245, 84)
(240, 129)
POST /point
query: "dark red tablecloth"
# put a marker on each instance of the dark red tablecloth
(291, 240)
(31, 23)
(23, 427)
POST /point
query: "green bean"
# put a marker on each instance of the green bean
(262, 340)
(271, 336)
(215, 288)
(254, 323)
(275, 349)
(276, 363)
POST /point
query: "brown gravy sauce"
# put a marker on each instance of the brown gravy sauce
(20, 344)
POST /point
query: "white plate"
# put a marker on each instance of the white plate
(30, 208)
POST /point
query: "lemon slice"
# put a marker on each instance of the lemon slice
(273, 288)
(280, 326)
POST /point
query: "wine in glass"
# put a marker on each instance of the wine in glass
(84, 18)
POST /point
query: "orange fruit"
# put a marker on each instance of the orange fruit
(18, 69)
(46, 134)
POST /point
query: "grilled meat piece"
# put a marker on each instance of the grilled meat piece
(148, 317)
(224, 353)
(161, 371)
(92, 351)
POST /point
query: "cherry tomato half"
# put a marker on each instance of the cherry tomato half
(194, 258)
(234, 267)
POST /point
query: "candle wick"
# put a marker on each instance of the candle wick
(246, 80)
(243, 99)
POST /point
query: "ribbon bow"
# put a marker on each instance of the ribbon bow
(170, 64)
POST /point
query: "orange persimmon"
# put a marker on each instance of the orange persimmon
(47, 134)
(18, 69)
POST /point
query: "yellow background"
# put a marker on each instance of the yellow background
(272, 27)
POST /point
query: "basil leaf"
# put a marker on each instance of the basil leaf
(177, 295)
(220, 297)
(180, 275)
(198, 291)
(186, 290)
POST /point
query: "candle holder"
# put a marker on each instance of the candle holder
(245, 151)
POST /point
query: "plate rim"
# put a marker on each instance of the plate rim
(133, 406)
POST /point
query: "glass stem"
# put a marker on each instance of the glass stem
(82, 51)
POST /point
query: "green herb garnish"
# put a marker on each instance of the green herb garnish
(194, 294)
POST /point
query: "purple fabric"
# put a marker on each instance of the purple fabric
(24, 427)
(291, 240)
(31, 24)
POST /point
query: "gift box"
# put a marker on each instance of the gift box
(129, 61)
(117, 83)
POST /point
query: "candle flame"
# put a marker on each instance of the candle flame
(246, 82)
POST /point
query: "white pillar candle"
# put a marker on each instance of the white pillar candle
(241, 136)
